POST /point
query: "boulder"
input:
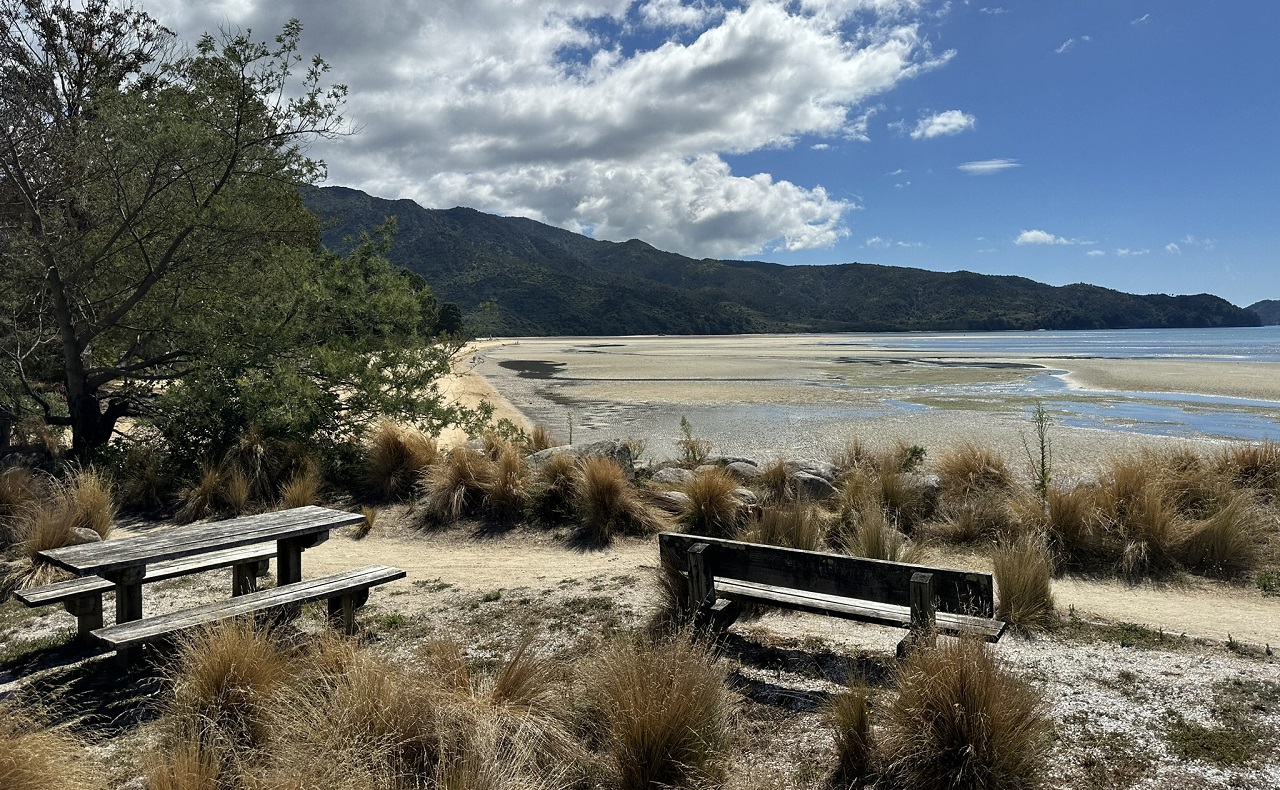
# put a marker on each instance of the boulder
(745, 495)
(671, 501)
(672, 476)
(619, 451)
(81, 535)
(823, 469)
(811, 486)
(744, 471)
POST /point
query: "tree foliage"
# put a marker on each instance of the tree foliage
(153, 240)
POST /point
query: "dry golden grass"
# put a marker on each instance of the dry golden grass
(193, 763)
(1251, 465)
(795, 525)
(507, 492)
(984, 515)
(714, 508)
(395, 457)
(1023, 570)
(969, 468)
(541, 439)
(303, 488)
(849, 715)
(661, 713)
(1139, 529)
(671, 612)
(82, 501)
(455, 486)
(1226, 543)
(775, 481)
(203, 496)
(607, 504)
(1071, 526)
(20, 490)
(873, 536)
(33, 757)
(224, 679)
(906, 500)
(237, 492)
(960, 719)
(553, 487)
(852, 455)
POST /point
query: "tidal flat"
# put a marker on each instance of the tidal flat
(764, 396)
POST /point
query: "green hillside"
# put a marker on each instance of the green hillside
(514, 276)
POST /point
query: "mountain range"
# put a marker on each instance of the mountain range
(516, 277)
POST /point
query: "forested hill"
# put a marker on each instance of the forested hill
(1268, 310)
(514, 276)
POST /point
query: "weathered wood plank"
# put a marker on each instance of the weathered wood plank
(58, 592)
(956, 592)
(125, 635)
(855, 609)
(113, 555)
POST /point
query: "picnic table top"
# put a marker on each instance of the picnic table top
(139, 550)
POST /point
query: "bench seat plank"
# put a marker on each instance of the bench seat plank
(136, 632)
(853, 608)
(122, 554)
(59, 592)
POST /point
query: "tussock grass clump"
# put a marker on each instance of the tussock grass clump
(714, 508)
(1023, 569)
(1225, 543)
(1138, 526)
(795, 525)
(204, 495)
(607, 504)
(81, 502)
(20, 488)
(905, 499)
(873, 536)
(982, 516)
(1070, 524)
(303, 488)
(224, 678)
(969, 469)
(1251, 465)
(962, 720)
(553, 487)
(541, 439)
(661, 712)
(395, 457)
(33, 757)
(852, 455)
(849, 715)
(671, 612)
(507, 493)
(902, 457)
(456, 485)
(775, 481)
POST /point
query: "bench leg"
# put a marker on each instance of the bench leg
(923, 615)
(244, 579)
(342, 610)
(88, 612)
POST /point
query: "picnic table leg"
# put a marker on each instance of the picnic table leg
(244, 579)
(128, 607)
(289, 556)
(88, 612)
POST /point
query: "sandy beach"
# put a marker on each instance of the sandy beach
(804, 396)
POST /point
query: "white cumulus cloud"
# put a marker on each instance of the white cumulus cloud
(1127, 252)
(986, 167)
(1039, 237)
(560, 110)
(1095, 253)
(1172, 249)
(943, 123)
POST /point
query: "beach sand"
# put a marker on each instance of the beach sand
(764, 396)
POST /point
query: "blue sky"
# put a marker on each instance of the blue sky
(1126, 144)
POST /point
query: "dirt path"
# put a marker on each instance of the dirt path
(1197, 608)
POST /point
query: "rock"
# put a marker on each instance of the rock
(620, 452)
(745, 495)
(744, 471)
(929, 488)
(811, 486)
(726, 460)
(81, 535)
(672, 476)
(671, 501)
(826, 471)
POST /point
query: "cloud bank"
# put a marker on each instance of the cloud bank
(612, 116)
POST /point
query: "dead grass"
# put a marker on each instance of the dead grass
(541, 439)
(33, 757)
(20, 490)
(1251, 465)
(962, 720)
(795, 525)
(873, 536)
(984, 515)
(395, 457)
(1226, 543)
(607, 504)
(82, 501)
(849, 716)
(456, 485)
(775, 481)
(714, 508)
(1023, 570)
(507, 492)
(303, 488)
(553, 488)
(661, 712)
(203, 496)
(969, 469)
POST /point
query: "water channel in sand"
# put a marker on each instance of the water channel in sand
(805, 395)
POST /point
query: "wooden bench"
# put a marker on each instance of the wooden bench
(923, 599)
(82, 597)
(345, 592)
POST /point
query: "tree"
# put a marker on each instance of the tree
(151, 227)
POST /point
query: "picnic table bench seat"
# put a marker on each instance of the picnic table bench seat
(924, 599)
(82, 596)
(345, 592)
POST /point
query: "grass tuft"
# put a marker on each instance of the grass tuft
(795, 525)
(507, 491)
(714, 508)
(1023, 569)
(33, 757)
(962, 720)
(395, 458)
(607, 504)
(873, 536)
(849, 715)
(970, 469)
(662, 713)
(303, 488)
(456, 485)
(1225, 543)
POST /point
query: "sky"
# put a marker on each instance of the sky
(1127, 144)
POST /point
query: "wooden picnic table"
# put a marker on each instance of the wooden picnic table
(124, 561)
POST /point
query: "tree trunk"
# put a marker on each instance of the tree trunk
(90, 428)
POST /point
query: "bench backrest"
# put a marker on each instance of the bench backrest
(958, 592)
